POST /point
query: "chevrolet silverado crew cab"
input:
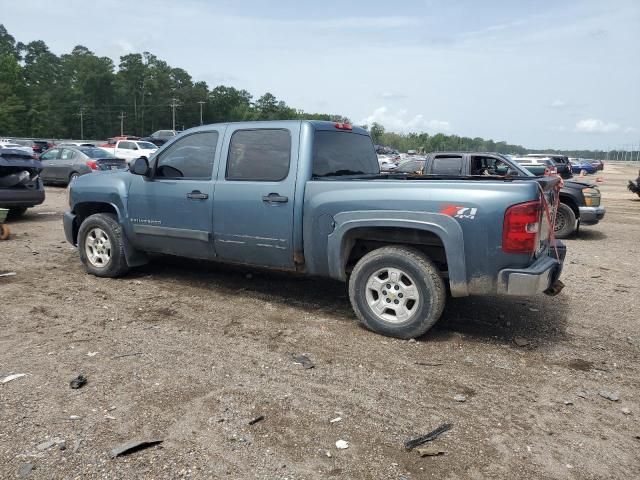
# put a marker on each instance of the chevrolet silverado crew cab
(308, 197)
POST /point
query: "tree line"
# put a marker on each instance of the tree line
(79, 94)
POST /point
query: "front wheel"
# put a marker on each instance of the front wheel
(101, 246)
(565, 221)
(397, 291)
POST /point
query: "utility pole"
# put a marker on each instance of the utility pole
(174, 105)
(121, 117)
(81, 115)
(201, 104)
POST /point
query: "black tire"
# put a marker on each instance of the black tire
(72, 177)
(17, 212)
(421, 271)
(117, 264)
(565, 221)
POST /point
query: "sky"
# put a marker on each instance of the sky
(543, 74)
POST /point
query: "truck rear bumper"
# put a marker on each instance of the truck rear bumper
(536, 278)
(21, 197)
(591, 215)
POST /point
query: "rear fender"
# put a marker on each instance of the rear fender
(444, 226)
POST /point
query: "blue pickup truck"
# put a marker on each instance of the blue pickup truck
(308, 197)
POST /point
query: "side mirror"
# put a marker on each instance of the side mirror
(140, 166)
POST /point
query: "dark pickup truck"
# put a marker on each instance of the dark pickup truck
(20, 183)
(579, 201)
(308, 197)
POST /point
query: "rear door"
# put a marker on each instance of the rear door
(253, 208)
(49, 161)
(172, 211)
(447, 164)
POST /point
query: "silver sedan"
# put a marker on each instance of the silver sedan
(62, 164)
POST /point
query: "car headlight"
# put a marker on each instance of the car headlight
(591, 196)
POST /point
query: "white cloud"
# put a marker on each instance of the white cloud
(401, 121)
(594, 125)
(559, 104)
(630, 130)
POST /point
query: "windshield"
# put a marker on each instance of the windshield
(147, 145)
(342, 153)
(97, 153)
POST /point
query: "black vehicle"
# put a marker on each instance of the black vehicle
(579, 201)
(563, 165)
(160, 137)
(20, 184)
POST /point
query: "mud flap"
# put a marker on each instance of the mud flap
(554, 289)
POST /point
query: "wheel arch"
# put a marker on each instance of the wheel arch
(430, 232)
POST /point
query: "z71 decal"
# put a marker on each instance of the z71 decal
(459, 211)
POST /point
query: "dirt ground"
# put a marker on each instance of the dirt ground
(190, 352)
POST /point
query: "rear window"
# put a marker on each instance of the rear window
(341, 153)
(447, 166)
(261, 155)
(97, 153)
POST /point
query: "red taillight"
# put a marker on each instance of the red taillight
(521, 227)
(343, 126)
(92, 164)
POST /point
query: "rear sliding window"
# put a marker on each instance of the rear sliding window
(342, 153)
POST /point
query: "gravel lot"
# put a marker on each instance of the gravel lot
(191, 352)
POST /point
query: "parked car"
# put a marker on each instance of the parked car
(10, 144)
(111, 142)
(599, 164)
(132, 149)
(160, 137)
(62, 165)
(76, 144)
(561, 162)
(538, 166)
(308, 197)
(20, 183)
(579, 165)
(580, 202)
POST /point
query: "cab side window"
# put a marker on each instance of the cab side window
(50, 155)
(191, 157)
(67, 154)
(260, 155)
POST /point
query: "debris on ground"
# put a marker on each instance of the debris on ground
(613, 396)
(342, 444)
(430, 451)
(257, 419)
(133, 446)
(304, 361)
(335, 420)
(429, 364)
(91, 354)
(78, 382)
(568, 402)
(415, 442)
(8, 274)
(521, 341)
(582, 394)
(8, 378)
(76, 445)
(50, 443)
(460, 398)
(25, 470)
(625, 410)
(127, 355)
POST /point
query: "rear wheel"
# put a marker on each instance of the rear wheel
(73, 176)
(397, 291)
(101, 247)
(565, 221)
(17, 212)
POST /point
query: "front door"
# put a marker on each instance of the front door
(171, 211)
(253, 210)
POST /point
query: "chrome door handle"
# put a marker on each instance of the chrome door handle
(197, 195)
